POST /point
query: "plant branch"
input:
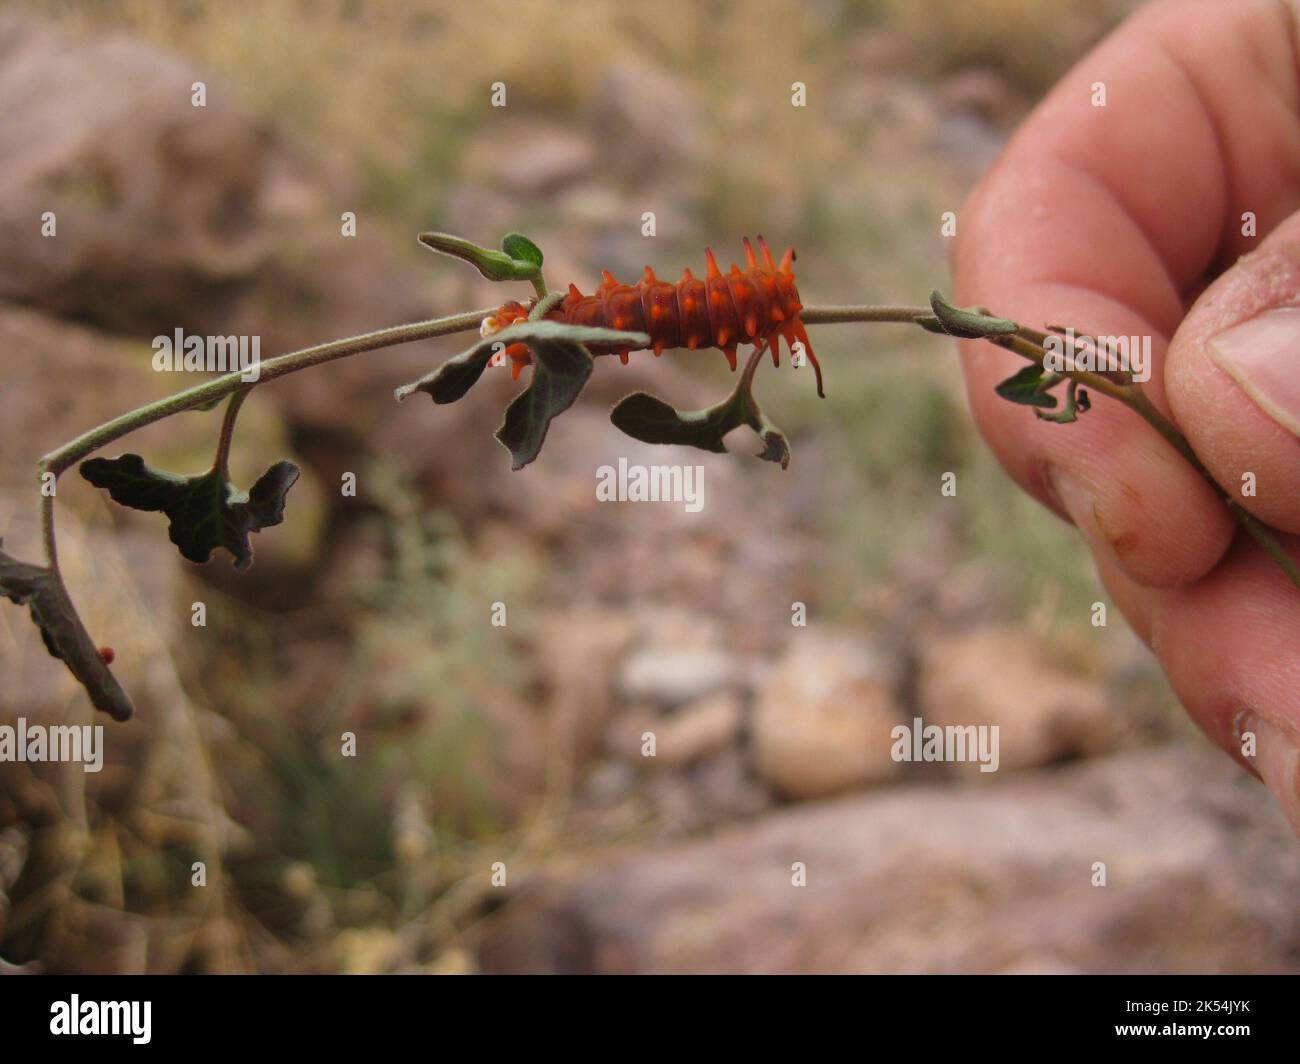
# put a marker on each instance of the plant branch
(221, 463)
(58, 461)
(47, 531)
(1029, 344)
(845, 315)
(521, 260)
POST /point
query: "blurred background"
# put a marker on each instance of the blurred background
(520, 747)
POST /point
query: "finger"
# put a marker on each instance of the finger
(1098, 217)
(1231, 647)
(1157, 516)
(1233, 378)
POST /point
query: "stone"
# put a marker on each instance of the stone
(997, 676)
(1202, 876)
(822, 720)
(668, 675)
(697, 730)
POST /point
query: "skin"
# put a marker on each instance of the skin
(1126, 219)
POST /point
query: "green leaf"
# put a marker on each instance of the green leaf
(206, 510)
(521, 249)
(971, 323)
(41, 590)
(560, 370)
(1076, 403)
(649, 419)
(561, 366)
(457, 375)
(1026, 387)
(454, 377)
(494, 265)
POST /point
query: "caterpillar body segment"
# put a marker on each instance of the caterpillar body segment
(758, 305)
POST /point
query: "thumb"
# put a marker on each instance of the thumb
(1232, 377)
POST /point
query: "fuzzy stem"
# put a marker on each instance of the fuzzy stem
(208, 392)
(844, 315)
(1028, 343)
(221, 463)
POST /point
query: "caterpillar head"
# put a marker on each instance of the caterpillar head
(506, 314)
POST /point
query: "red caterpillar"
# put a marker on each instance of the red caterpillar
(757, 306)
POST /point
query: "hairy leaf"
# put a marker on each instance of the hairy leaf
(206, 510)
(521, 249)
(1026, 387)
(41, 590)
(560, 370)
(1076, 403)
(494, 265)
(649, 419)
(970, 323)
(457, 375)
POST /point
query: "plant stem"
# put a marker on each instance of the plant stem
(1028, 343)
(58, 461)
(221, 463)
(843, 315)
(47, 532)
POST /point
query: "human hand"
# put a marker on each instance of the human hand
(1112, 219)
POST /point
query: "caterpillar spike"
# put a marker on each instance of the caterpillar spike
(757, 305)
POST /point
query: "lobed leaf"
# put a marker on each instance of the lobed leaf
(206, 510)
(457, 375)
(649, 419)
(560, 371)
(41, 590)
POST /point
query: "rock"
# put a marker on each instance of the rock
(697, 730)
(995, 676)
(645, 121)
(102, 133)
(823, 717)
(169, 215)
(1202, 876)
(669, 675)
(530, 159)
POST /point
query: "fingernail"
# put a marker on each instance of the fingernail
(1277, 759)
(1263, 356)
